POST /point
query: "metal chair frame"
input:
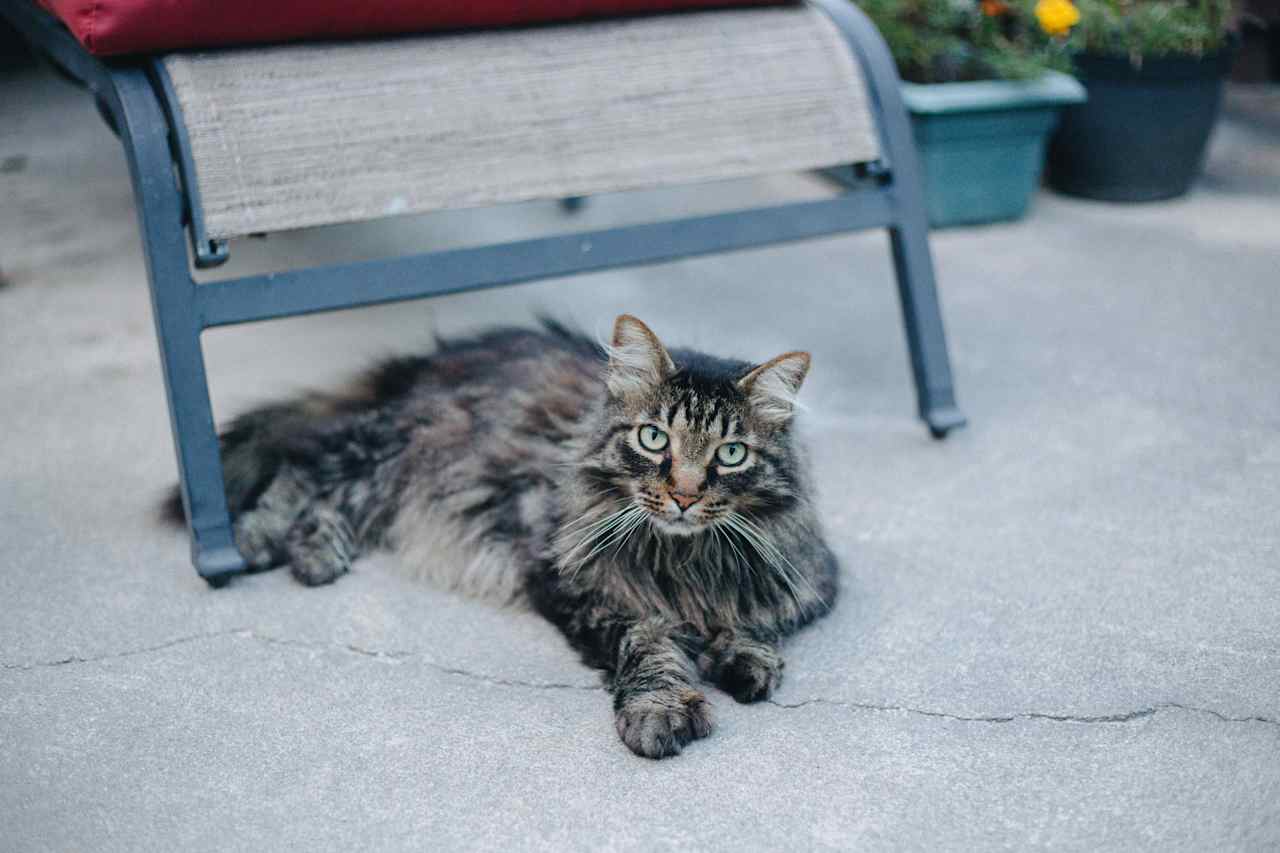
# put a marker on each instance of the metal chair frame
(137, 102)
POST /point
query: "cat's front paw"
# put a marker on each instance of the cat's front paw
(319, 546)
(659, 723)
(749, 674)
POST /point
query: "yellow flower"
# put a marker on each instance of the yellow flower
(1057, 17)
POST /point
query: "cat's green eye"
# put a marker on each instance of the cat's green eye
(652, 438)
(733, 453)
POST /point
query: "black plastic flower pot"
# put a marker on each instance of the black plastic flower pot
(1142, 134)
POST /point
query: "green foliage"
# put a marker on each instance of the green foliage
(940, 41)
(1151, 28)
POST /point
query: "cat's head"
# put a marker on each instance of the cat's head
(697, 441)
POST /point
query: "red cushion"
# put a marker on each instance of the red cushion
(107, 27)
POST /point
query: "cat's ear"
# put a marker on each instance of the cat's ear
(637, 359)
(772, 387)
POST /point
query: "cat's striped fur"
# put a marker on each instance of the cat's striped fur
(511, 466)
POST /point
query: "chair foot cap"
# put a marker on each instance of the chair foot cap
(218, 565)
(943, 420)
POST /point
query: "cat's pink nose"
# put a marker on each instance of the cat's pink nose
(685, 501)
(686, 480)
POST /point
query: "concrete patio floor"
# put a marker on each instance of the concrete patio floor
(1060, 628)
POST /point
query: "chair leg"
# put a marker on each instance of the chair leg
(174, 308)
(195, 436)
(910, 234)
(922, 319)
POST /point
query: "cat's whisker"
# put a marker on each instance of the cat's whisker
(634, 520)
(572, 563)
(639, 522)
(778, 561)
(636, 516)
(590, 521)
(773, 557)
(597, 533)
(604, 525)
(587, 527)
(742, 558)
(796, 573)
(767, 558)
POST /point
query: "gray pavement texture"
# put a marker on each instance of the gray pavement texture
(1059, 629)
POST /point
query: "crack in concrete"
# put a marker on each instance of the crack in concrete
(1124, 717)
(397, 657)
(167, 644)
(258, 636)
(498, 681)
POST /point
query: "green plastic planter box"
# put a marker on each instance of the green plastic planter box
(982, 144)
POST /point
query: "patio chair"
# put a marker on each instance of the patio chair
(232, 142)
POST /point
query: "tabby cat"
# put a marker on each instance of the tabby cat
(651, 504)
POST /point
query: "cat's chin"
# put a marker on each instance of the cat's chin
(678, 527)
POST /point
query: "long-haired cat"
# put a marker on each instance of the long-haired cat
(652, 504)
